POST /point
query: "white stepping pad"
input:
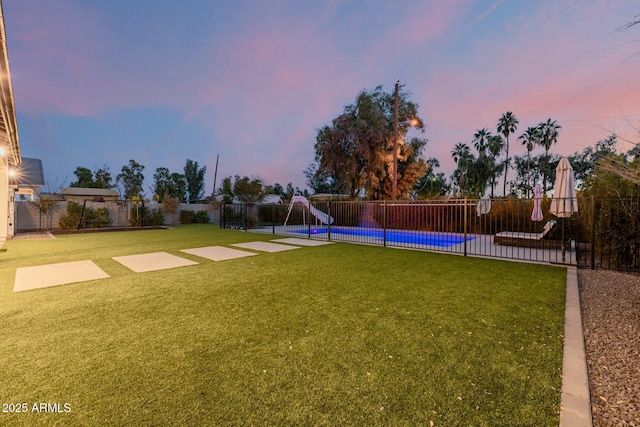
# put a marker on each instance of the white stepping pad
(265, 246)
(303, 242)
(43, 276)
(153, 261)
(218, 253)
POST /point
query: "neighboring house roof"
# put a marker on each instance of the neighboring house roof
(29, 174)
(272, 199)
(269, 199)
(52, 196)
(327, 196)
(89, 192)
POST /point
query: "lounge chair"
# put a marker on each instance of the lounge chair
(529, 240)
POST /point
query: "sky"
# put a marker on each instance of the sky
(101, 82)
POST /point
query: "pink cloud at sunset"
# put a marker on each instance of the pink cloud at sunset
(161, 82)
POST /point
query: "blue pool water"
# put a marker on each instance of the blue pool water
(396, 236)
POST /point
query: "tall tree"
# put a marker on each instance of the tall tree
(493, 165)
(84, 178)
(433, 184)
(481, 170)
(585, 162)
(549, 131)
(461, 154)
(321, 181)
(167, 184)
(355, 152)
(131, 178)
(248, 190)
(178, 186)
(481, 141)
(226, 189)
(530, 138)
(507, 124)
(243, 189)
(103, 178)
(161, 183)
(195, 180)
(277, 189)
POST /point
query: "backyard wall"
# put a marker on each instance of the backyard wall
(29, 218)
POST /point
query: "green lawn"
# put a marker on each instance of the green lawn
(341, 334)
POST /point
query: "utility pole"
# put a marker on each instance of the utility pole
(395, 141)
(215, 176)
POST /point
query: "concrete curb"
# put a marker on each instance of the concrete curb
(575, 405)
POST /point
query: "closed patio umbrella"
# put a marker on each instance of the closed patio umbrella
(564, 202)
(536, 215)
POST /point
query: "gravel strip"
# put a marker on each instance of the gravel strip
(611, 323)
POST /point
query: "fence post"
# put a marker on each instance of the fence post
(273, 218)
(309, 220)
(593, 231)
(246, 215)
(465, 226)
(384, 223)
(81, 220)
(329, 220)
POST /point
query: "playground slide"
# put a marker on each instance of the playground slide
(323, 217)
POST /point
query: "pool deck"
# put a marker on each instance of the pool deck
(481, 245)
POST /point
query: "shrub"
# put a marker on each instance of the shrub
(187, 216)
(98, 218)
(93, 218)
(251, 221)
(136, 215)
(156, 217)
(72, 218)
(202, 217)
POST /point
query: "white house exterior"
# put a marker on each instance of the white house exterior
(9, 144)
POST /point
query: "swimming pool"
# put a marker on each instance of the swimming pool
(395, 236)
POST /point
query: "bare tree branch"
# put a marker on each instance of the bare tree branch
(617, 167)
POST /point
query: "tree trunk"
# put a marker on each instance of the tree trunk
(506, 170)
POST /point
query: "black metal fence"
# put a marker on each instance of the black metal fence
(603, 233)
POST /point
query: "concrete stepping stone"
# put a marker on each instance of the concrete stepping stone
(266, 246)
(302, 242)
(43, 276)
(153, 261)
(218, 253)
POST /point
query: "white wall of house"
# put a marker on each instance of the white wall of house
(6, 219)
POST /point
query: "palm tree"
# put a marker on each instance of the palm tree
(495, 146)
(530, 138)
(461, 154)
(506, 126)
(483, 168)
(481, 141)
(548, 136)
